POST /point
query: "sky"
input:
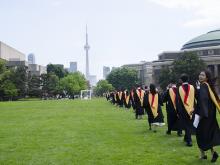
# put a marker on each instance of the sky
(120, 31)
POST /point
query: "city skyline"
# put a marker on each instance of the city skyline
(121, 32)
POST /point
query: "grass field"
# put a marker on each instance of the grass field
(85, 132)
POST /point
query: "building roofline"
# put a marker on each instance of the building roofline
(12, 48)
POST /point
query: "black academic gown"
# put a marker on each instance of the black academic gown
(119, 100)
(207, 132)
(132, 101)
(112, 96)
(127, 105)
(138, 107)
(185, 122)
(160, 117)
(172, 117)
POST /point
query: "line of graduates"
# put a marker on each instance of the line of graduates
(189, 109)
(194, 111)
(142, 101)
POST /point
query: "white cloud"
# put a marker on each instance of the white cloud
(205, 12)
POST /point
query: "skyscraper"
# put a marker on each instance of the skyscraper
(86, 47)
(106, 71)
(73, 67)
(31, 58)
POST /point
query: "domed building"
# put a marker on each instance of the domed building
(206, 46)
(211, 38)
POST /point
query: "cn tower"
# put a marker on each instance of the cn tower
(86, 47)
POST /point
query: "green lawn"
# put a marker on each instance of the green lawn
(85, 132)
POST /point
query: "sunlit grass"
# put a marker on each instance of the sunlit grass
(85, 132)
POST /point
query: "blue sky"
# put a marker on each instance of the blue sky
(120, 31)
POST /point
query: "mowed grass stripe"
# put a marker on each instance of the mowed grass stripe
(85, 132)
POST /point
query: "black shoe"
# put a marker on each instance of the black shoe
(154, 131)
(168, 133)
(204, 157)
(214, 157)
(189, 144)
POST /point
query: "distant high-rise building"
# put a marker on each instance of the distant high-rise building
(31, 58)
(92, 80)
(106, 71)
(73, 67)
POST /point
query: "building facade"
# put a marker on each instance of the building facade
(144, 70)
(31, 58)
(37, 70)
(73, 67)
(106, 71)
(92, 80)
(10, 54)
(206, 46)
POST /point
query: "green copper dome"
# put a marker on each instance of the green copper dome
(211, 38)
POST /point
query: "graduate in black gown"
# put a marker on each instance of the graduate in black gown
(113, 97)
(132, 98)
(185, 103)
(119, 98)
(153, 108)
(173, 122)
(139, 102)
(207, 131)
(126, 99)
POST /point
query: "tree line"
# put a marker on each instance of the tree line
(17, 82)
(126, 78)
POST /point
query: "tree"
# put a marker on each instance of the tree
(102, 87)
(20, 79)
(188, 63)
(34, 84)
(58, 70)
(165, 77)
(2, 71)
(50, 84)
(122, 78)
(2, 66)
(73, 83)
(9, 89)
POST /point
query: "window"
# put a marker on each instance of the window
(200, 53)
(210, 52)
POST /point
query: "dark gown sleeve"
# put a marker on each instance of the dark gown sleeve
(160, 102)
(203, 98)
(177, 101)
(165, 96)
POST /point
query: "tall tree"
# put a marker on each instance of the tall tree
(102, 87)
(58, 70)
(123, 78)
(188, 63)
(73, 83)
(20, 79)
(2, 66)
(165, 77)
(34, 86)
(50, 85)
(8, 89)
